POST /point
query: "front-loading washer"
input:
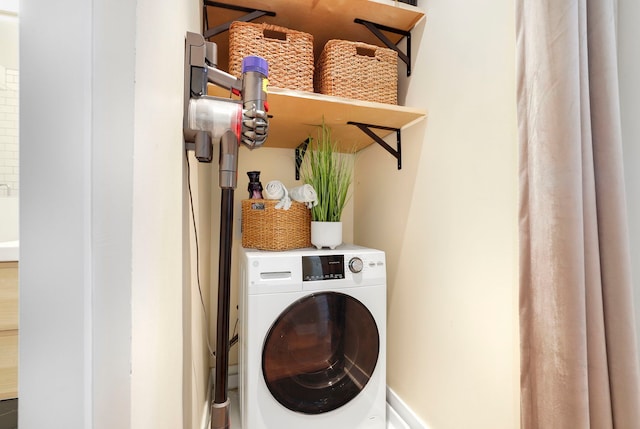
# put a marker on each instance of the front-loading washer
(313, 339)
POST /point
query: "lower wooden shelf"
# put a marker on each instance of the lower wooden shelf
(8, 364)
(8, 330)
(296, 115)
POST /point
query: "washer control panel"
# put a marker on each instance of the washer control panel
(338, 267)
(322, 267)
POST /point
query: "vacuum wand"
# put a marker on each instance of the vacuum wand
(220, 405)
(254, 134)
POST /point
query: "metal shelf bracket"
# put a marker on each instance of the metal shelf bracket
(377, 29)
(250, 16)
(300, 151)
(396, 153)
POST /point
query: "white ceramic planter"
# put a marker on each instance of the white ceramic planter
(326, 234)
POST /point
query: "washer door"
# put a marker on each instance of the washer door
(320, 352)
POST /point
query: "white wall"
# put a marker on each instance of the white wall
(55, 369)
(629, 70)
(160, 355)
(448, 221)
(196, 333)
(111, 145)
(103, 216)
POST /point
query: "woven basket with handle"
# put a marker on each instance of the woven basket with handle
(358, 70)
(266, 228)
(288, 52)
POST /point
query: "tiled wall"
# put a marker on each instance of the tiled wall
(9, 131)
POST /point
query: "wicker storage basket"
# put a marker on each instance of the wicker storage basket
(266, 228)
(358, 70)
(288, 52)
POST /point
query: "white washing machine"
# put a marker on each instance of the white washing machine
(313, 339)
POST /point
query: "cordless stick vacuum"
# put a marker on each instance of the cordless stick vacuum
(207, 121)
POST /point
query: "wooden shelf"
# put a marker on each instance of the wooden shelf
(296, 115)
(323, 19)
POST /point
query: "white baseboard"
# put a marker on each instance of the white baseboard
(233, 377)
(394, 421)
(399, 415)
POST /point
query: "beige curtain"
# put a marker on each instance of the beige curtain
(579, 364)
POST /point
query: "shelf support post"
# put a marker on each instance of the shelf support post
(300, 151)
(376, 30)
(250, 16)
(396, 153)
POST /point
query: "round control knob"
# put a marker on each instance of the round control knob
(355, 265)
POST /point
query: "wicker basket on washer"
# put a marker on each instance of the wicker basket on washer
(288, 52)
(358, 70)
(266, 228)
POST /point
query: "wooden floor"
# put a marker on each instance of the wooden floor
(9, 414)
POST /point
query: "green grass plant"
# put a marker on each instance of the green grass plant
(330, 172)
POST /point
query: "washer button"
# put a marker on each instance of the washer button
(355, 265)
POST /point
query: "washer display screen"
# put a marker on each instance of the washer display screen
(320, 352)
(322, 267)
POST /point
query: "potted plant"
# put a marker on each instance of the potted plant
(330, 172)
